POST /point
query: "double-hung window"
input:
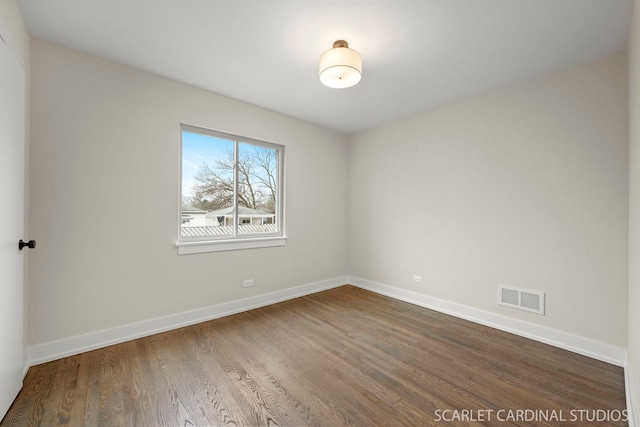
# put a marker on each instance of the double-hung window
(231, 192)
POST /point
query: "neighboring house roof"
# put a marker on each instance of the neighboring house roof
(203, 231)
(242, 211)
(188, 209)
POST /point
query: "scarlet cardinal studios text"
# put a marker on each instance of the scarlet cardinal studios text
(520, 415)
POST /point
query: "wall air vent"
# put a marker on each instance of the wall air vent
(522, 299)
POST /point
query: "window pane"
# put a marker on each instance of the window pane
(207, 186)
(257, 189)
(230, 191)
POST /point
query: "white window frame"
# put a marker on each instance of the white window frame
(194, 245)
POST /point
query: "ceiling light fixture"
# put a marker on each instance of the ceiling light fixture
(340, 67)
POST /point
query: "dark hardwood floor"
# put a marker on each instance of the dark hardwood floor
(344, 357)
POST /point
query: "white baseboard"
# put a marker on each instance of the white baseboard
(75, 345)
(577, 344)
(25, 366)
(633, 410)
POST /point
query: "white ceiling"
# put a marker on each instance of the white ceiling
(417, 55)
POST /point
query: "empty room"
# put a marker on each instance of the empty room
(320, 213)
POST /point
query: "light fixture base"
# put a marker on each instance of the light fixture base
(340, 43)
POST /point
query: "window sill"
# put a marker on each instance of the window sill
(198, 247)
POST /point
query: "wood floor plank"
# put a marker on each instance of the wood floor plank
(76, 415)
(153, 387)
(344, 357)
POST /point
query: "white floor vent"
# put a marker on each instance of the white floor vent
(522, 299)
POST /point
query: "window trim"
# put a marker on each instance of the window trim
(203, 246)
(191, 245)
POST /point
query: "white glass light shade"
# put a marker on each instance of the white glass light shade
(340, 67)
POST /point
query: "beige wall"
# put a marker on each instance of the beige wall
(524, 187)
(104, 198)
(634, 206)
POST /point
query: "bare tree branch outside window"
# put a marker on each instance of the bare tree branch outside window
(257, 177)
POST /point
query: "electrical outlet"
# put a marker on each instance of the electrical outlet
(248, 282)
(417, 279)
